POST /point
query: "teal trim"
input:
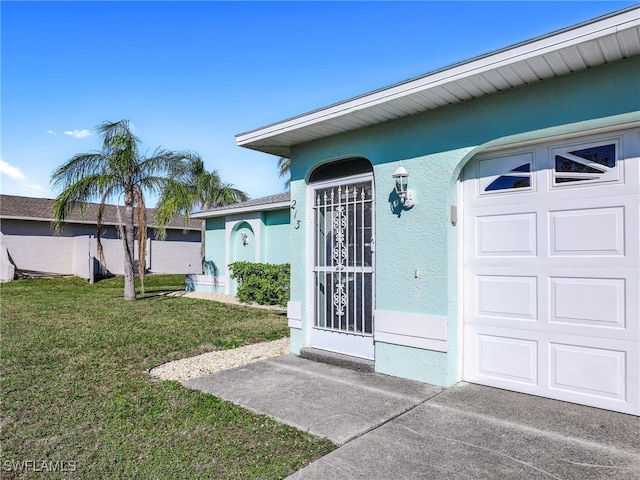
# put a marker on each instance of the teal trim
(276, 217)
(276, 236)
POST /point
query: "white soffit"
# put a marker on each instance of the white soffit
(603, 40)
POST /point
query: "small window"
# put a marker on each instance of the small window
(511, 180)
(591, 164)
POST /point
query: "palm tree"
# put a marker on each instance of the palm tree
(117, 172)
(284, 167)
(191, 187)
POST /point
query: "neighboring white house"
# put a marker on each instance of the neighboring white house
(510, 254)
(28, 241)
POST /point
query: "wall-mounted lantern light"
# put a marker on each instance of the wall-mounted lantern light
(401, 178)
(245, 240)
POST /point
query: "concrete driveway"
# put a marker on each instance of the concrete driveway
(391, 428)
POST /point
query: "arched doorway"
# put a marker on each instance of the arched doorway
(242, 248)
(341, 196)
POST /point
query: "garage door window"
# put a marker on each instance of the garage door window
(591, 164)
(519, 177)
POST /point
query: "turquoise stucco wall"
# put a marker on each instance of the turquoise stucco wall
(214, 253)
(215, 249)
(434, 146)
(275, 237)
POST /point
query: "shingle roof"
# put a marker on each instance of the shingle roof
(255, 205)
(258, 202)
(30, 208)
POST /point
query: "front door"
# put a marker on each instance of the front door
(343, 267)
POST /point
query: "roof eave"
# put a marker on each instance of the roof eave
(277, 138)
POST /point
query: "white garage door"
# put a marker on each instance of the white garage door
(551, 270)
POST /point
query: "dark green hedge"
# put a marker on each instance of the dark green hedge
(262, 283)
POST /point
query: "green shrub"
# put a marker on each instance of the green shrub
(262, 283)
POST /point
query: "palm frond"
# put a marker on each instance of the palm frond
(166, 162)
(79, 167)
(176, 198)
(227, 194)
(284, 169)
(77, 195)
(117, 137)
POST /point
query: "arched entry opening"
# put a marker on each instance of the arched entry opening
(341, 195)
(242, 248)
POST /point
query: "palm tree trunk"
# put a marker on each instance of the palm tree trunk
(129, 276)
(203, 246)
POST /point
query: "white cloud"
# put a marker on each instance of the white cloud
(51, 132)
(21, 186)
(11, 171)
(78, 133)
(32, 186)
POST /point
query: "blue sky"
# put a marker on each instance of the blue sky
(192, 75)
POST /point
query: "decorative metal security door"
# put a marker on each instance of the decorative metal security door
(344, 266)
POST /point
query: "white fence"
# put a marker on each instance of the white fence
(78, 255)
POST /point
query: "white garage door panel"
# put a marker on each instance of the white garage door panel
(596, 302)
(512, 297)
(522, 367)
(588, 305)
(590, 371)
(594, 231)
(583, 370)
(502, 235)
(603, 228)
(552, 271)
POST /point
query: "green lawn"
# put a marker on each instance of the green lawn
(75, 389)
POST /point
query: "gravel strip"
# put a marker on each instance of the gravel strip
(212, 362)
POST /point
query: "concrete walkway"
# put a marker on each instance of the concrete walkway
(390, 428)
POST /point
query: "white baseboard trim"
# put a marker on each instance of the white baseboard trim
(413, 330)
(294, 314)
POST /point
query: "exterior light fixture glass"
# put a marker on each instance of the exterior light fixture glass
(401, 178)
